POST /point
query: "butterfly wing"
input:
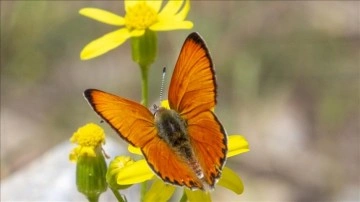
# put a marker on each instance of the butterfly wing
(132, 121)
(208, 139)
(135, 124)
(193, 85)
(169, 166)
(192, 93)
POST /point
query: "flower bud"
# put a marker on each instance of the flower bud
(115, 166)
(90, 162)
(90, 174)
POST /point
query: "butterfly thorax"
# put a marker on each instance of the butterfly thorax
(172, 129)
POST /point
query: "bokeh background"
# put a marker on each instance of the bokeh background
(288, 80)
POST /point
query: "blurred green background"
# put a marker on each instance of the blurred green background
(288, 80)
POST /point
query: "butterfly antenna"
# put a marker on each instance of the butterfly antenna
(162, 83)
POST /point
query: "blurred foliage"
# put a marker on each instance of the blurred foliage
(272, 58)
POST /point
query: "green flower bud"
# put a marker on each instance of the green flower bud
(90, 174)
(115, 166)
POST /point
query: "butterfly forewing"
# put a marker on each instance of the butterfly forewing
(193, 86)
(132, 121)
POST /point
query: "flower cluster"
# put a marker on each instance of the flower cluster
(87, 138)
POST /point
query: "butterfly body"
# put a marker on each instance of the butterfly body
(173, 130)
(185, 145)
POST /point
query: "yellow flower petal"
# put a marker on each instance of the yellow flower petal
(159, 191)
(103, 16)
(165, 103)
(171, 8)
(136, 32)
(171, 25)
(181, 15)
(73, 156)
(135, 173)
(105, 43)
(134, 150)
(156, 5)
(129, 3)
(237, 144)
(197, 195)
(230, 180)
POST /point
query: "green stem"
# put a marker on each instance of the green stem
(144, 53)
(143, 189)
(93, 198)
(117, 195)
(144, 85)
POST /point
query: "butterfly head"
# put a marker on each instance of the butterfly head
(154, 109)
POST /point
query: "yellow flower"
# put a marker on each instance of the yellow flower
(90, 162)
(140, 16)
(139, 171)
(115, 166)
(88, 138)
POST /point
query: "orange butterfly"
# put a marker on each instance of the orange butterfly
(185, 145)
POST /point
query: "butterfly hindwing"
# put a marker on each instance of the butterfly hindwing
(209, 144)
(169, 166)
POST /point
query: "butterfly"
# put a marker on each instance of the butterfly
(185, 145)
